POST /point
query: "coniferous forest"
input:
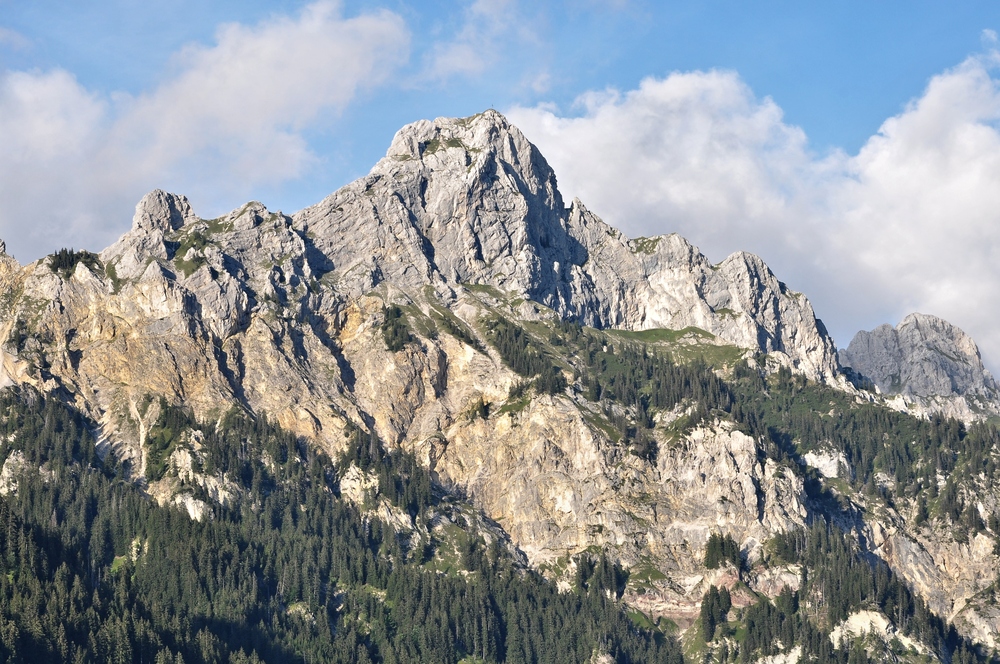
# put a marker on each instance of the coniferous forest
(93, 571)
(792, 416)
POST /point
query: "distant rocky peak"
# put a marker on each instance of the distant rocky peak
(923, 356)
(931, 329)
(157, 215)
(163, 211)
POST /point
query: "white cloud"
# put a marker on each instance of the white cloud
(694, 149)
(912, 222)
(489, 29)
(231, 116)
(17, 41)
(50, 128)
(247, 98)
(922, 202)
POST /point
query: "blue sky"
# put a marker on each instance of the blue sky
(849, 144)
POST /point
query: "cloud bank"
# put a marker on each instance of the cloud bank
(229, 117)
(910, 223)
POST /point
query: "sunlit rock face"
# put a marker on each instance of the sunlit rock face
(270, 312)
(472, 201)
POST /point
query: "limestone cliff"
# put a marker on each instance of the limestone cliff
(264, 310)
(472, 201)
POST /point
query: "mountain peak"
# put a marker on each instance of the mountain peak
(923, 356)
(483, 131)
(162, 210)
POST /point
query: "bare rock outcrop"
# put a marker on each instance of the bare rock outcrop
(275, 313)
(931, 365)
(461, 221)
(473, 201)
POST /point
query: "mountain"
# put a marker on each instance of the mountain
(472, 201)
(457, 355)
(253, 302)
(931, 364)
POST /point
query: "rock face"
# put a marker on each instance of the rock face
(472, 201)
(462, 220)
(955, 578)
(928, 362)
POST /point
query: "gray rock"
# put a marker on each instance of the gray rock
(923, 356)
(282, 315)
(163, 211)
(473, 201)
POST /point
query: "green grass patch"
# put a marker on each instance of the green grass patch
(423, 324)
(451, 324)
(644, 575)
(514, 406)
(218, 225)
(465, 122)
(640, 619)
(690, 344)
(116, 283)
(715, 356)
(485, 289)
(601, 424)
(117, 563)
(436, 144)
(645, 245)
(197, 241)
(432, 146)
(662, 334)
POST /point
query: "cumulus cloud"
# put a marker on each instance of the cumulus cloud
(691, 150)
(50, 127)
(228, 117)
(919, 210)
(488, 29)
(911, 222)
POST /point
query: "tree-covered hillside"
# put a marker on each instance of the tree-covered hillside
(95, 571)
(927, 469)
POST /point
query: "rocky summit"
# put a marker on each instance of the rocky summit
(929, 363)
(573, 396)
